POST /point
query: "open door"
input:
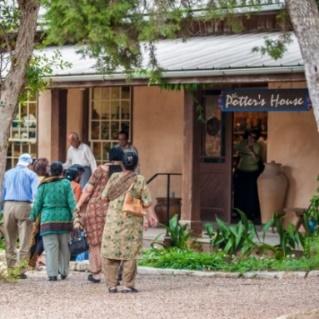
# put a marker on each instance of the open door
(215, 168)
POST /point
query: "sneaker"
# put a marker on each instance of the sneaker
(92, 279)
(126, 290)
(63, 277)
(112, 290)
(53, 278)
(22, 276)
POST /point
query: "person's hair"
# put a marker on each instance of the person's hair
(78, 167)
(130, 160)
(250, 132)
(56, 168)
(40, 166)
(75, 136)
(124, 133)
(71, 174)
(116, 154)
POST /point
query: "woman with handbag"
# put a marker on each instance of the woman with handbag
(129, 209)
(54, 203)
(92, 217)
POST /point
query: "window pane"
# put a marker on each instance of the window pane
(213, 133)
(125, 93)
(106, 148)
(125, 111)
(105, 93)
(114, 130)
(115, 95)
(95, 130)
(105, 130)
(97, 151)
(96, 110)
(105, 110)
(115, 109)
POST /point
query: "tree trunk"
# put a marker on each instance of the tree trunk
(304, 16)
(14, 82)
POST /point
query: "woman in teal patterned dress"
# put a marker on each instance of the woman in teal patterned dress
(123, 232)
(55, 203)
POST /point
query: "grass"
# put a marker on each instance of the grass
(218, 261)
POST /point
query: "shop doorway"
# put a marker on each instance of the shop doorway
(249, 139)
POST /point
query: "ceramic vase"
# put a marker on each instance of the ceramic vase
(272, 190)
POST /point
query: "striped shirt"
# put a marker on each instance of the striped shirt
(19, 184)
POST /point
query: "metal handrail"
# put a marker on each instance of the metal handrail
(168, 188)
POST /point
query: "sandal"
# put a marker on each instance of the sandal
(126, 290)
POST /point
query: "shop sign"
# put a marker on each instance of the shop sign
(264, 100)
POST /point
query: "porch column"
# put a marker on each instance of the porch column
(190, 169)
(44, 124)
(58, 124)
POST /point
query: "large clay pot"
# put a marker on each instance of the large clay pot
(272, 190)
(161, 208)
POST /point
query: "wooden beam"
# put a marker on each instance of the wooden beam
(216, 81)
(58, 126)
(190, 178)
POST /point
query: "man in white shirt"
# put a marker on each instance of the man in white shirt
(81, 154)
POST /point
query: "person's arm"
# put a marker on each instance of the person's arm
(70, 198)
(90, 157)
(68, 162)
(86, 193)
(37, 204)
(146, 199)
(34, 185)
(3, 192)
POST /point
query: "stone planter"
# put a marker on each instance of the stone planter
(272, 190)
(161, 208)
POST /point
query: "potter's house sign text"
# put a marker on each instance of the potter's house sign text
(264, 100)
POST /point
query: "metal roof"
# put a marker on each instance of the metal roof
(198, 56)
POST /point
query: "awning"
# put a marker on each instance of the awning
(219, 55)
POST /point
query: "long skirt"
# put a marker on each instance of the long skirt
(246, 194)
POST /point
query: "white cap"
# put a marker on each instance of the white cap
(25, 159)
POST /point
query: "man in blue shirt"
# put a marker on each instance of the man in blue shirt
(18, 191)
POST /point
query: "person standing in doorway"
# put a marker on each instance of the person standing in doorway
(124, 143)
(18, 192)
(81, 154)
(247, 172)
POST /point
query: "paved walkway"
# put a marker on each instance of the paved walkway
(160, 297)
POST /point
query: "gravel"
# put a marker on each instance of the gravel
(178, 297)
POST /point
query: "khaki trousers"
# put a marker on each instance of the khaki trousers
(111, 270)
(16, 224)
(57, 254)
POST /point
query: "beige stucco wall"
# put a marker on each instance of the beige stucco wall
(293, 141)
(158, 135)
(44, 124)
(75, 111)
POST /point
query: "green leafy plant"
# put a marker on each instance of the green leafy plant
(179, 234)
(311, 216)
(233, 239)
(218, 261)
(289, 238)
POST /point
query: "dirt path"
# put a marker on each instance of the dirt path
(159, 297)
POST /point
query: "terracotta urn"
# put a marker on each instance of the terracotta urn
(272, 190)
(161, 208)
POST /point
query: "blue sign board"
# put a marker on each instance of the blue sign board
(264, 100)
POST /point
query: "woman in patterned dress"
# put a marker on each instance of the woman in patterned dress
(123, 232)
(92, 218)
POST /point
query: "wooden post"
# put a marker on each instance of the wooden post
(190, 179)
(58, 126)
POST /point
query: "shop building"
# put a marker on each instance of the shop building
(164, 124)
